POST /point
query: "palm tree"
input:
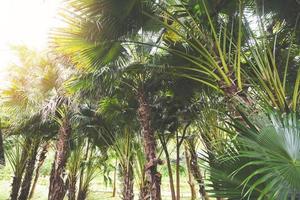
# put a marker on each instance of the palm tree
(24, 104)
(73, 165)
(226, 54)
(121, 115)
(34, 82)
(262, 163)
(108, 56)
(41, 158)
(57, 186)
(30, 165)
(17, 152)
(2, 158)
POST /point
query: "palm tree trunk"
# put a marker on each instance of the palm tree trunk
(144, 193)
(144, 189)
(16, 183)
(197, 172)
(178, 145)
(177, 167)
(115, 180)
(190, 181)
(57, 187)
(15, 187)
(171, 180)
(2, 157)
(153, 177)
(41, 160)
(128, 181)
(82, 192)
(26, 183)
(72, 189)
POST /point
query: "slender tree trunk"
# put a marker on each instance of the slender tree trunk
(177, 167)
(195, 169)
(82, 194)
(81, 191)
(178, 145)
(128, 182)
(30, 164)
(41, 160)
(153, 177)
(190, 181)
(144, 193)
(57, 187)
(15, 187)
(171, 180)
(72, 188)
(144, 189)
(2, 157)
(16, 183)
(115, 179)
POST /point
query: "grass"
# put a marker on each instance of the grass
(97, 189)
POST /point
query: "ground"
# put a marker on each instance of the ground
(98, 188)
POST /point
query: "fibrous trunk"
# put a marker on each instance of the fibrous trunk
(195, 169)
(41, 159)
(144, 189)
(16, 183)
(190, 179)
(15, 187)
(2, 157)
(171, 180)
(82, 191)
(57, 188)
(82, 194)
(30, 164)
(128, 182)
(152, 176)
(72, 189)
(115, 180)
(177, 167)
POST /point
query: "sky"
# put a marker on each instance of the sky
(25, 22)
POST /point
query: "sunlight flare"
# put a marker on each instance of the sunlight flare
(25, 23)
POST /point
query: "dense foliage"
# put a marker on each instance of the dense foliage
(209, 89)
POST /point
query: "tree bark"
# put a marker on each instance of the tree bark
(15, 187)
(2, 156)
(57, 187)
(190, 181)
(72, 189)
(144, 189)
(128, 182)
(178, 145)
(115, 180)
(153, 177)
(82, 194)
(171, 180)
(82, 191)
(30, 164)
(144, 193)
(197, 172)
(16, 183)
(177, 167)
(41, 160)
